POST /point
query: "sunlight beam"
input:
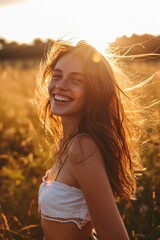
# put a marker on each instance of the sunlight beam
(95, 21)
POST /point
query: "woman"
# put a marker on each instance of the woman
(93, 165)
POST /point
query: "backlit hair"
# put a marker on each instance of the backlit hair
(110, 117)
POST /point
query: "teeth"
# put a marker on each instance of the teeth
(61, 98)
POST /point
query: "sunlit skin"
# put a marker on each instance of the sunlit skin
(90, 175)
(67, 90)
(67, 83)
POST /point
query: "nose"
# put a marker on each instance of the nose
(62, 84)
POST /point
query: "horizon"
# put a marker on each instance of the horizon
(98, 23)
(8, 41)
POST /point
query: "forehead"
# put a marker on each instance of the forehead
(70, 63)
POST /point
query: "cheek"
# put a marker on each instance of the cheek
(51, 86)
(81, 95)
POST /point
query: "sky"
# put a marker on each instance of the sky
(97, 21)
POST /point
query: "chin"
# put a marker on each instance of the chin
(56, 113)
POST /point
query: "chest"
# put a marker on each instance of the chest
(62, 173)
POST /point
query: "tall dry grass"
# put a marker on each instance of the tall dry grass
(22, 164)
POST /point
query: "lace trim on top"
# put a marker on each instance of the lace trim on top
(79, 221)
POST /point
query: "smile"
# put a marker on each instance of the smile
(61, 98)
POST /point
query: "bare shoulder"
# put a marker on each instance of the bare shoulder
(89, 171)
(83, 144)
(84, 149)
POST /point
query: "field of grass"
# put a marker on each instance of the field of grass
(22, 164)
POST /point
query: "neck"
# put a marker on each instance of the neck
(70, 126)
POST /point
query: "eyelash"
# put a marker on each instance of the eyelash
(75, 79)
(57, 76)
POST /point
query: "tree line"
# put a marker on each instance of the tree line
(136, 44)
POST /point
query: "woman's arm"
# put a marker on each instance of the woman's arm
(88, 168)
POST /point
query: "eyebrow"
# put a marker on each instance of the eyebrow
(75, 73)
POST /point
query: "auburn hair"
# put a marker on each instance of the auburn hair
(109, 116)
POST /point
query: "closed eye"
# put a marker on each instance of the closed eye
(56, 76)
(77, 79)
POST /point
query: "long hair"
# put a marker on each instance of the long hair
(108, 117)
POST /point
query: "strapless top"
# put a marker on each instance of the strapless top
(63, 203)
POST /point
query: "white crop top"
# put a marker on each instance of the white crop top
(63, 203)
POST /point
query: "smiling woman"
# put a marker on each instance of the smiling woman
(67, 76)
(96, 144)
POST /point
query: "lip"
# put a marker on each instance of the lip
(61, 102)
(58, 102)
(62, 95)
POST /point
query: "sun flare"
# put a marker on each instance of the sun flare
(94, 21)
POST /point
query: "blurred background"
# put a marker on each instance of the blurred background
(27, 28)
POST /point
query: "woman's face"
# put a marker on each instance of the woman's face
(67, 88)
